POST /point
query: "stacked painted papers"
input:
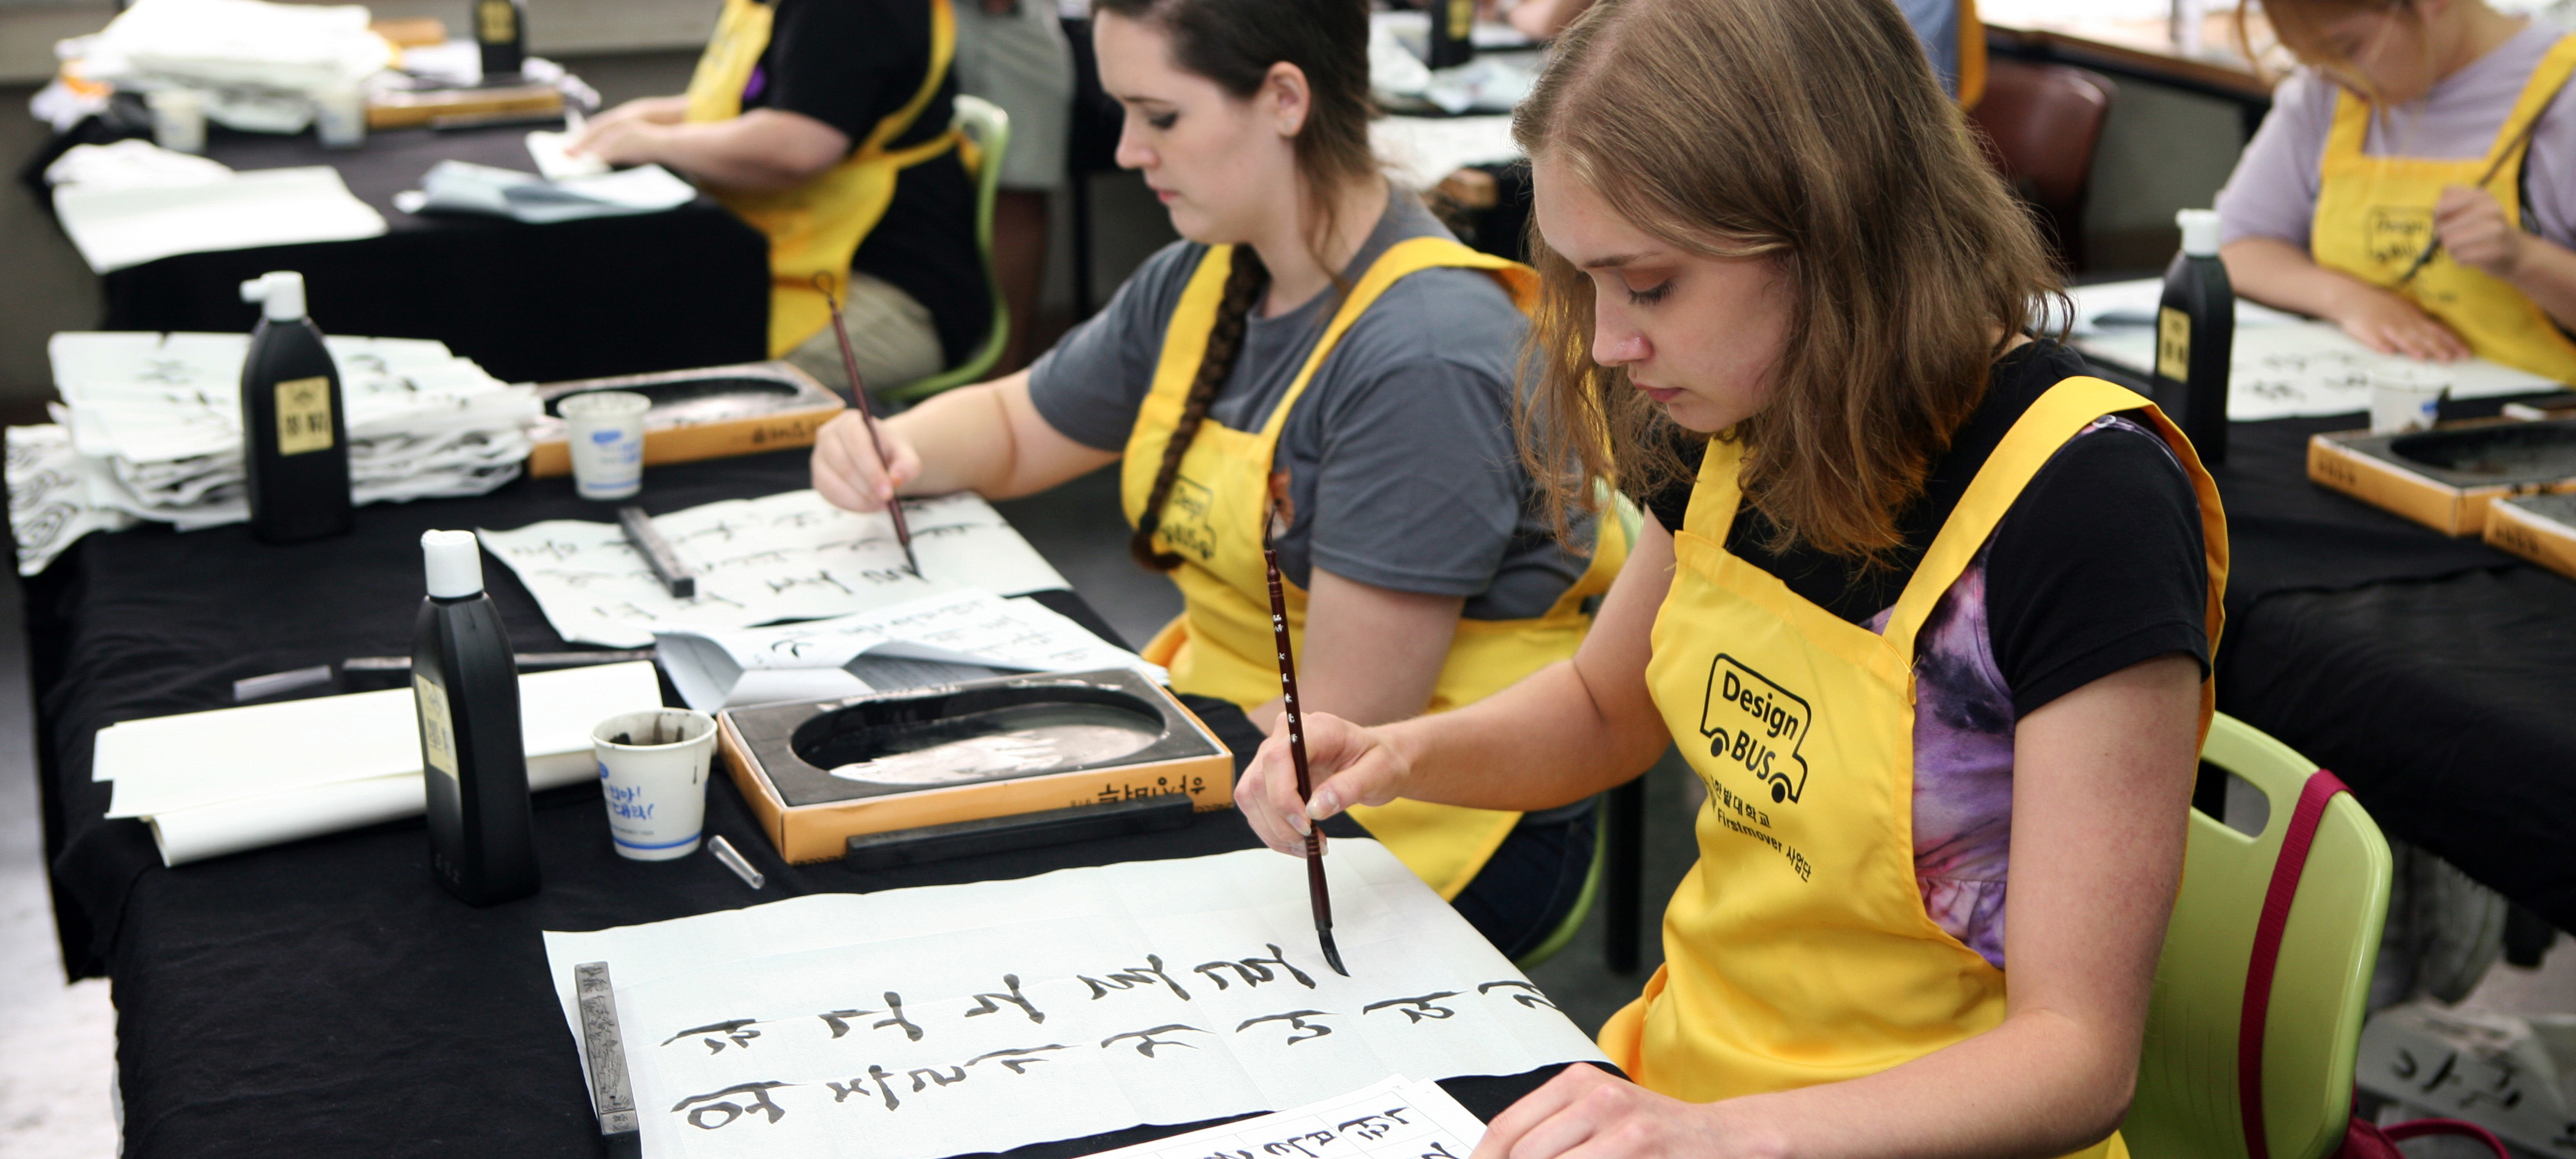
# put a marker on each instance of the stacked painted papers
(212, 783)
(119, 227)
(155, 425)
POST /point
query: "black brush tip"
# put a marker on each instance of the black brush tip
(1332, 953)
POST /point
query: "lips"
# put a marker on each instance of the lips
(1658, 394)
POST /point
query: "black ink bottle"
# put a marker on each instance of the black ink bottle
(1453, 27)
(466, 685)
(501, 33)
(295, 436)
(2196, 337)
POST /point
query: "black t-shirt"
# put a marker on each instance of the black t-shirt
(850, 64)
(2097, 566)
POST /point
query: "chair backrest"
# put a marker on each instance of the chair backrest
(2187, 1102)
(2041, 124)
(985, 124)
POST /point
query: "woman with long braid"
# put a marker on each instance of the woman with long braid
(1317, 340)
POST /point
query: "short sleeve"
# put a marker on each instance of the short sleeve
(2273, 192)
(1090, 386)
(2098, 566)
(2549, 170)
(836, 61)
(1419, 486)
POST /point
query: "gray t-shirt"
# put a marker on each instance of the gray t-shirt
(1399, 454)
(2273, 192)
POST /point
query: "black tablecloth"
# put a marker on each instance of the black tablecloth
(326, 998)
(2435, 676)
(530, 303)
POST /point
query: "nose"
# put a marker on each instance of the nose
(1132, 153)
(1614, 342)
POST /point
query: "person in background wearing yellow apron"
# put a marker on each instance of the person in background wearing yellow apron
(1927, 610)
(2415, 120)
(826, 124)
(1317, 337)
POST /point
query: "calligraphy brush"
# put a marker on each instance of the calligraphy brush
(1297, 743)
(868, 415)
(2434, 244)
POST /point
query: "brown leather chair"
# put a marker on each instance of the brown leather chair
(2040, 124)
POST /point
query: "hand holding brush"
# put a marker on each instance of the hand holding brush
(1323, 902)
(868, 415)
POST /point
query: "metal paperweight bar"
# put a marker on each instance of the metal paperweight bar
(610, 1094)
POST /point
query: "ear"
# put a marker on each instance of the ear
(1285, 98)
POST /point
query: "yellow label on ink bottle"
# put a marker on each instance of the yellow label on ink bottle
(303, 415)
(437, 733)
(496, 21)
(1462, 18)
(2173, 344)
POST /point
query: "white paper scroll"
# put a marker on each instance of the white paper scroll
(789, 556)
(1393, 1118)
(171, 763)
(918, 1023)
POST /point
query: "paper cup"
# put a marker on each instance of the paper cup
(178, 119)
(653, 775)
(606, 431)
(2405, 400)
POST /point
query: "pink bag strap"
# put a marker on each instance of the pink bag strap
(2295, 842)
(2416, 1128)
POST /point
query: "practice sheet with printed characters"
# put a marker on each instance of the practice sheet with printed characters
(1394, 1118)
(919, 1023)
(790, 556)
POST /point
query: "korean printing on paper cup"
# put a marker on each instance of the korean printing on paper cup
(653, 775)
(605, 433)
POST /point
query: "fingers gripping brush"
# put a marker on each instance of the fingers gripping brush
(868, 415)
(1297, 743)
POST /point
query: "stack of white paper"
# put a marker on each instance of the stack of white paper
(212, 783)
(1392, 1118)
(790, 556)
(714, 667)
(156, 419)
(453, 186)
(114, 228)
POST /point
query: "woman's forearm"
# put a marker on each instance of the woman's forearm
(2546, 273)
(1543, 742)
(2278, 274)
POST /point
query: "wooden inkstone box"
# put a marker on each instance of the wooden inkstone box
(2447, 478)
(2539, 528)
(817, 774)
(711, 413)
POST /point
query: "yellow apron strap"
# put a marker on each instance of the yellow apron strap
(2040, 431)
(943, 50)
(2546, 79)
(1405, 257)
(1184, 345)
(1972, 55)
(742, 34)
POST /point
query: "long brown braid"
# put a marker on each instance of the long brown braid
(1244, 284)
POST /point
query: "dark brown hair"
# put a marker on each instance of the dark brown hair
(2297, 25)
(1234, 43)
(1813, 134)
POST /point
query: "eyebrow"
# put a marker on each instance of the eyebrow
(1615, 260)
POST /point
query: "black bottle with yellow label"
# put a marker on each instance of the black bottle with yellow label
(2196, 337)
(295, 433)
(1453, 27)
(501, 31)
(473, 757)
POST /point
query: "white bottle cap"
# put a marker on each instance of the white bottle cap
(455, 563)
(2199, 232)
(280, 294)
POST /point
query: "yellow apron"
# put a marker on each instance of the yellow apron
(1798, 951)
(1220, 645)
(2374, 214)
(816, 227)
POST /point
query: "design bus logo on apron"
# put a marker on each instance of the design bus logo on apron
(2397, 233)
(1189, 518)
(1757, 724)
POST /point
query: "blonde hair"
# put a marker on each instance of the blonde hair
(1812, 133)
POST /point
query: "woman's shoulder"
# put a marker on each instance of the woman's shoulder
(1444, 314)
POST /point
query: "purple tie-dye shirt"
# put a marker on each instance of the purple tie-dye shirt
(1963, 757)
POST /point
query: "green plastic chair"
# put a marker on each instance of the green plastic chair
(990, 128)
(2187, 1104)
